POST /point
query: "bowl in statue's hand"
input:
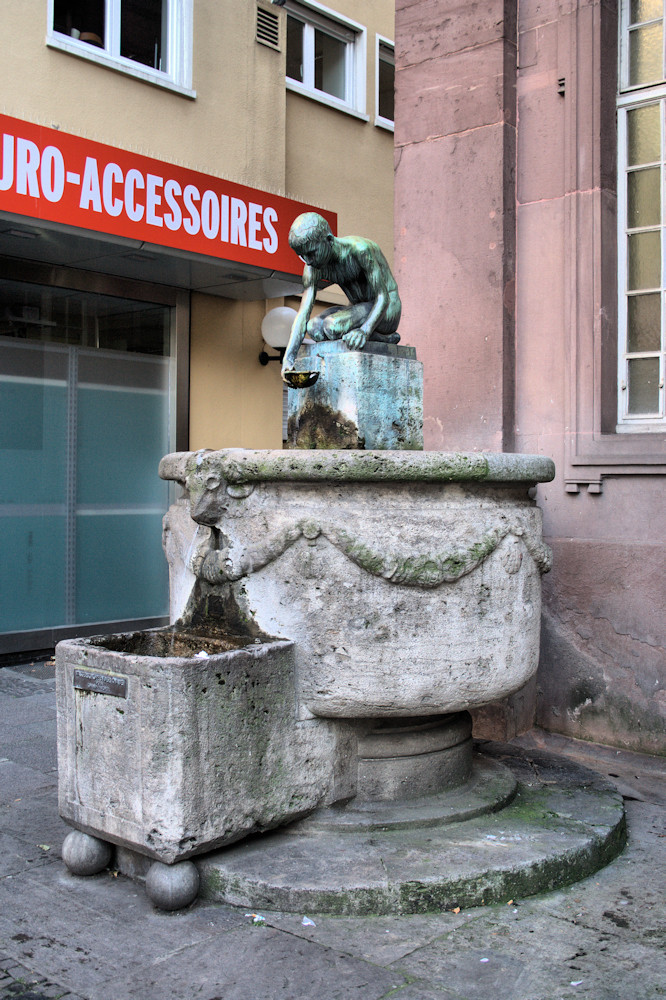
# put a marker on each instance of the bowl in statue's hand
(300, 380)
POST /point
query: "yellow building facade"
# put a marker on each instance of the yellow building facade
(153, 156)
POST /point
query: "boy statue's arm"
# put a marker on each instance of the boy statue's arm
(300, 324)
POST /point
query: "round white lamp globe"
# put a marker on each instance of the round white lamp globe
(276, 326)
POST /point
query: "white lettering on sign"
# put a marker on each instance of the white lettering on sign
(27, 164)
(52, 174)
(7, 179)
(154, 184)
(174, 218)
(108, 190)
(112, 175)
(91, 196)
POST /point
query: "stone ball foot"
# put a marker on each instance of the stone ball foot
(562, 824)
(85, 855)
(172, 887)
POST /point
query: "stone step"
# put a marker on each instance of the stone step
(563, 824)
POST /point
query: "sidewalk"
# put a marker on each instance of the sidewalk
(99, 938)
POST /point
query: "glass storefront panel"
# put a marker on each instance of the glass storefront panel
(120, 546)
(84, 420)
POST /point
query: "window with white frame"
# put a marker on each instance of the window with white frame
(325, 56)
(384, 83)
(642, 216)
(150, 39)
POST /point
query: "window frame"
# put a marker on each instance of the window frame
(625, 26)
(313, 16)
(638, 422)
(632, 97)
(179, 31)
(593, 449)
(382, 41)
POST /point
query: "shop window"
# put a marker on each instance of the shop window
(385, 83)
(641, 236)
(325, 56)
(87, 398)
(151, 39)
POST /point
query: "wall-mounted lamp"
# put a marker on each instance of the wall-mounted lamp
(275, 329)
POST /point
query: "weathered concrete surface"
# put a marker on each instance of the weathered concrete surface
(99, 938)
(362, 399)
(563, 824)
(197, 752)
(409, 582)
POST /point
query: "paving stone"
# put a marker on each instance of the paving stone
(539, 954)
(31, 746)
(33, 818)
(16, 685)
(259, 963)
(381, 940)
(25, 706)
(420, 990)
(39, 670)
(17, 780)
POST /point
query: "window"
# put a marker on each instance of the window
(87, 409)
(325, 56)
(641, 238)
(151, 39)
(385, 83)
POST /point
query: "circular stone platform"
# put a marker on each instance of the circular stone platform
(564, 822)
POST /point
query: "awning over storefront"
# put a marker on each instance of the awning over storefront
(68, 201)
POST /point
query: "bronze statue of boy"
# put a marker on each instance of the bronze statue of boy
(359, 267)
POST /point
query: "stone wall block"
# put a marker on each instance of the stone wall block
(454, 211)
(428, 29)
(447, 95)
(542, 112)
(371, 399)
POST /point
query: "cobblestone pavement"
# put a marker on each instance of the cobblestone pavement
(99, 938)
(19, 983)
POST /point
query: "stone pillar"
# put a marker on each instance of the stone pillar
(455, 134)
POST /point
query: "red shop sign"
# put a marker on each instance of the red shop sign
(50, 175)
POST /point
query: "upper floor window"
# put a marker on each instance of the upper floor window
(642, 217)
(150, 39)
(325, 56)
(385, 82)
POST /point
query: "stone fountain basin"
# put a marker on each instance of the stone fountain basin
(170, 753)
(408, 581)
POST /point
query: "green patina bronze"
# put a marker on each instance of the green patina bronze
(361, 270)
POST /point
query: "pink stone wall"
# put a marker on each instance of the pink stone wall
(455, 208)
(505, 173)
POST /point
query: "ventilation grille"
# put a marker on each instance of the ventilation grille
(268, 27)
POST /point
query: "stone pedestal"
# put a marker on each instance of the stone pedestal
(363, 399)
(401, 759)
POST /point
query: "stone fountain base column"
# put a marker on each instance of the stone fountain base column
(400, 759)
